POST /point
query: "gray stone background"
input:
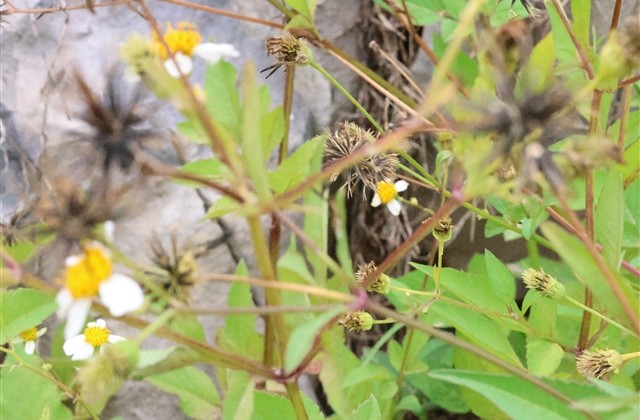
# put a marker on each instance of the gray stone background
(37, 110)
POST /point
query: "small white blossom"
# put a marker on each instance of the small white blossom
(386, 193)
(95, 335)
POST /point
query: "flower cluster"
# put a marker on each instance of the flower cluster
(182, 43)
(90, 275)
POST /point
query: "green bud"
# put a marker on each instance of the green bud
(543, 283)
(357, 321)
(443, 230)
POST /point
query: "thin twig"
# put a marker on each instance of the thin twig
(586, 64)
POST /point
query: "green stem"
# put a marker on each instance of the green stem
(384, 321)
(534, 255)
(346, 93)
(157, 323)
(598, 314)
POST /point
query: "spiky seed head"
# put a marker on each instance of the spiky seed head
(543, 283)
(599, 363)
(443, 231)
(357, 321)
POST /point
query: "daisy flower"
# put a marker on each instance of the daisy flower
(386, 193)
(29, 337)
(184, 42)
(95, 335)
(90, 275)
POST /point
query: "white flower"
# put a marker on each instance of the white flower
(184, 42)
(29, 337)
(90, 275)
(386, 193)
(95, 335)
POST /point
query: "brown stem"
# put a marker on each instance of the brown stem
(626, 108)
(628, 81)
(616, 16)
(222, 12)
(586, 64)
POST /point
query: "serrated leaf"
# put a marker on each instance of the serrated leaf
(23, 309)
(211, 169)
(581, 15)
(303, 337)
(277, 407)
(574, 253)
(295, 167)
(306, 8)
(224, 205)
(368, 410)
(238, 402)
(543, 357)
(222, 98)
(501, 280)
(28, 395)
(514, 396)
(609, 218)
(198, 395)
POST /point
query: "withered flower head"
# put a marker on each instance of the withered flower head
(598, 364)
(74, 212)
(287, 49)
(357, 321)
(371, 170)
(179, 266)
(443, 231)
(507, 172)
(381, 285)
(12, 231)
(117, 120)
(543, 283)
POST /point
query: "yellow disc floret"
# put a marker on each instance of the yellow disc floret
(96, 334)
(29, 335)
(386, 191)
(83, 277)
(181, 40)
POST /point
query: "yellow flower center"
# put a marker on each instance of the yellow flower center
(96, 335)
(83, 278)
(29, 335)
(183, 39)
(386, 191)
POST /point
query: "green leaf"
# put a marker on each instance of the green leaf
(609, 218)
(303, 337)
(198, 395)
(23, 309)
(239, 334)
(28, 395)
(575, 254)
(223, 101)
(306, 8)
(211, 169)
(269, 406)
(581, 15)
(238, 402)
(543, 357)
(501, 280)
(537, 73)
(188, 324)
(296, 167)
(224, 205)
(514, 396)
(368, 410)
(271, 131)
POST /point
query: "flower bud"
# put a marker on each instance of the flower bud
(444, 229)
(598, 364)
(381, 284)
(357, 321)
(543, 283)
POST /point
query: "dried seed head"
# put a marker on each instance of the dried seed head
(507, 172)
(371, 170)
(381, 285)
(179, 266)
(357, 321)
(72, 211)
(118, 123)
(543, 283)
(288, 50)
(598, 364)
(443, 231)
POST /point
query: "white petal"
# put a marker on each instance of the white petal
(394, 207)
(41, 332)
(72, 260)
(401, 185)
(109, 229)
(376, 200)
(101, 323)
(214, 52)
(185, 63)
(115, 338)
(64, 300)
(76, 317)
(121, 294)
(83, 351)
(71, 345)
(29, 347)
